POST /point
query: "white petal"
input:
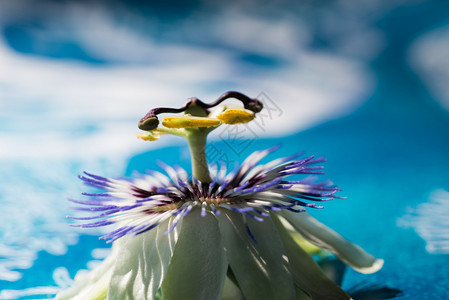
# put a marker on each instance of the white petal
(324, 237)
(307, 274)
(198, 268)
(143, 262)
(261, 269)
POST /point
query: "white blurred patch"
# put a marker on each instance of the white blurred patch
(47, 291)
(100, 253)
(431, 222)
(60, 276)
(429, 56)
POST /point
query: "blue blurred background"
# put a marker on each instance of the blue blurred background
(363, 83)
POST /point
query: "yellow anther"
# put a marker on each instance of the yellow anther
(149, 136)
(236, 116)
(189, 122)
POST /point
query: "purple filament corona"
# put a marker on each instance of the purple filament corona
(251, 189)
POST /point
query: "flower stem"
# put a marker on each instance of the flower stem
(197, 145)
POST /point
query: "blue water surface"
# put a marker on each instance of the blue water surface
(387, 156)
